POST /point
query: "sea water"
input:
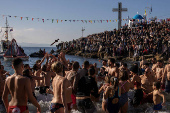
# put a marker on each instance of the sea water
(45, 100)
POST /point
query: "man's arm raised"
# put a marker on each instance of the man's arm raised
(5, 95)
(43, 59)
(30, 95)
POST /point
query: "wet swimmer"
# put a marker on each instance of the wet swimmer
(71, 76)
(86, 86)
(159, 70)
(111, 96)
(60, 85)
(156, 96)
(112, 70)
(142, 64)
(19, 87)
(37, 69)
(147, 80)
(45, 83)
(166, 76)
(136, 81)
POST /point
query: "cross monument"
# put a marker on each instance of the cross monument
(119, 10)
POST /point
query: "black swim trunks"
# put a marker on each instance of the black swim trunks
(55, 106)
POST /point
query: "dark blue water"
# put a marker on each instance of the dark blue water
(31, 61)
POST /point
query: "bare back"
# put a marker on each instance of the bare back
(16, 85)
(167, 69)
(57, 84)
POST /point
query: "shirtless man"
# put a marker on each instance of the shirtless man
(159, 70)
(60, 85)
(3, 73)
(166, 75)
(112, 70)
(142, 64)
(147, 80)
(45, 83)
(96, 69)
(154, 65)
(71, 76)
(37, 70)
(104, 63)
(20, 89)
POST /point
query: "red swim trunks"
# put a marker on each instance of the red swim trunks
(73, 98)
(17, 109)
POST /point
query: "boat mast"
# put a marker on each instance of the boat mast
(6, 29)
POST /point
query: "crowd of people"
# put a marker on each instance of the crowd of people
(75, 86)
(142, 39)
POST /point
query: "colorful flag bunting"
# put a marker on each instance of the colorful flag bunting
(15, 16)
(86, 21)
(116, 20)
(97, 20)
(52, 20)
(32, 19)
(27, 18)
(82, 21)
(70, 20)
(110, 20)
(123, 19)
(57, 20)
(9, 16)
(113, 20)
(94, 21)
(21, 18)
(107, 21)
(101, 21)
(61, 20)
(65, 20)
(91, 21)
(73, 20)
(43, 20)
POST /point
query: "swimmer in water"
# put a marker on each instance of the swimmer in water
(156, 96)
(112, 70)
(20, 89)
(60, 85)
(167, 76)
(71, 76)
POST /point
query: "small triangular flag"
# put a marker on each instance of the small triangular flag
(52, 20)
(27, 18)
(61, 20)
(21, 18)
(32, 19)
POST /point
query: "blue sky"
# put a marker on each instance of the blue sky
(37, 32)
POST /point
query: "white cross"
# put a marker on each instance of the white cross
(119, 10)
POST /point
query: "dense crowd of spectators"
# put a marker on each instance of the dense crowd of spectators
(141, 39)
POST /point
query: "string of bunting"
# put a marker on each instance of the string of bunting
(83, 21)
